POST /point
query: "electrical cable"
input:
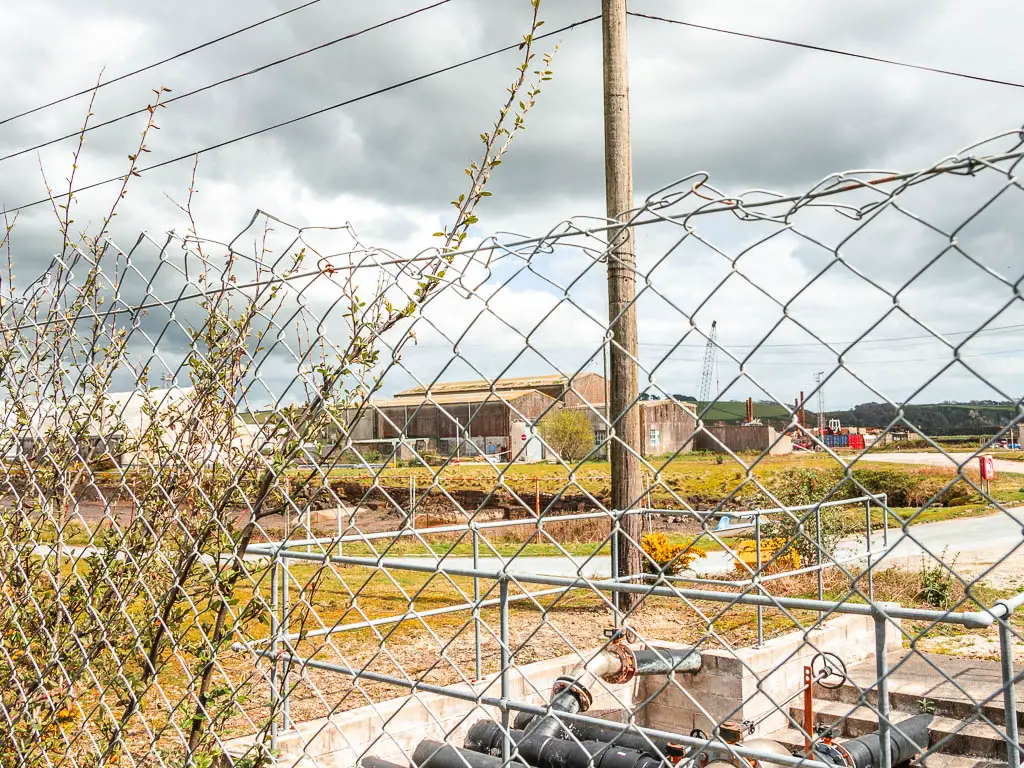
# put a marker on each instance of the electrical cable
(291, 121)
(155, 64)
(730, 347)
(823, 49)
(232, 78)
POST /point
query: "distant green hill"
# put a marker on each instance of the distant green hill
(970, 418)
(736, 410)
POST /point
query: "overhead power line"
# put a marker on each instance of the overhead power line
(824, 49)
(819, 344)
(155, 64)
(300, 118)
(232, 78)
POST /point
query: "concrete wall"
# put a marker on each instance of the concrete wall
(746, 683)
(737, 437)
(392, 729)
(731, 685)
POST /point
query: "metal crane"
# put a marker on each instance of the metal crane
(710, 368)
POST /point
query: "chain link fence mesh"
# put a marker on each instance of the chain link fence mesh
(296, 500)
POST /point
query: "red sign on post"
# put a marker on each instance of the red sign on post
(988, 468)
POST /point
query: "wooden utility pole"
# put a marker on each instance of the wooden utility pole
(623, 413)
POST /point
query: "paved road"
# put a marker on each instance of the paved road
(950, 460)
(980, 538)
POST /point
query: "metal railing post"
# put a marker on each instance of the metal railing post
(275, 633)
(818, 557)
(477, 657)
(614, 570)
(309, 525)
(757, 579)
(871, 561)
(882, 671)
(1009, 692)
(506, 741)
(286, 718)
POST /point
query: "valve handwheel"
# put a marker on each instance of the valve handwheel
(828, 670)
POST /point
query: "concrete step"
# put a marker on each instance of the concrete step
(956, 707)
(948, 735)
(794, 739)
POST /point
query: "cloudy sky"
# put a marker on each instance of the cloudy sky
(752, 114)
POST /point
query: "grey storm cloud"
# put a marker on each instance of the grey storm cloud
(750, 113)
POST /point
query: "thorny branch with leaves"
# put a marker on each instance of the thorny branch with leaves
(150, 598)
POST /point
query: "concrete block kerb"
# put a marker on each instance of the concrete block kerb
(740, 684)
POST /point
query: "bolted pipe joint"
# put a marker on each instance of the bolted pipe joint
(615, 664)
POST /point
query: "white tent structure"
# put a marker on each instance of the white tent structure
(117, 421)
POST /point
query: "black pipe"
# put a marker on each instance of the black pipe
(437, 754)
(907, 739)
(485, 737)
(652, 661)
(561, 753)
(611, 734)
(661, 661)
(375, 762)
(522, 720)
(549, 726)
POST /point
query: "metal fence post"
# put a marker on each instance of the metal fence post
(275, 633)
(882, 671)
(476, 604)
(818, 557)
(286, 719)
(757, 579)
(506, 742)
(309, 525)
(1009, 692)
(871, 560)
(614, 570)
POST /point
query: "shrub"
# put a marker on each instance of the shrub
(799, 487)
(915, 488)
(668, 558)
(746, 557)
(568, 433)
(939, 587)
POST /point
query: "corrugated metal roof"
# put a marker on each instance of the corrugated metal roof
(516, 383)
(455, 398)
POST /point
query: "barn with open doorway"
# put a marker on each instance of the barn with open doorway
(497, 419)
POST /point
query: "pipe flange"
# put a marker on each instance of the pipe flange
(577, 691)
(847, 759)
(627, 664)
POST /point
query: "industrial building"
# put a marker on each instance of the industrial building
(498, 419)
(743, 438)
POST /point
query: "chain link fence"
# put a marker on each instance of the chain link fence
(296, 500)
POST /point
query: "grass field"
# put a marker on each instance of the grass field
(691, 481)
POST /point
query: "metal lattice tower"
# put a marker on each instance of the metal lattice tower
(710, 363)
(821, 403)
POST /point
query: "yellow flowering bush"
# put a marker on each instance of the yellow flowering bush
(665, 557)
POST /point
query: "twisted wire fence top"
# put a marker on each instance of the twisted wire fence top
(297, 498)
